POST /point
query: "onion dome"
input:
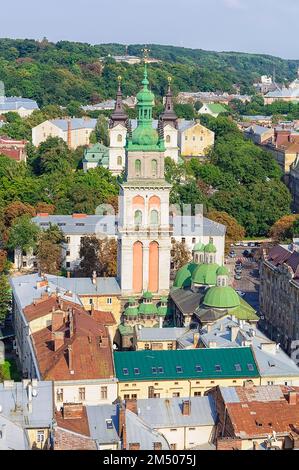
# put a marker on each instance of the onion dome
(132, 309)
(198, 247)
(183, 277)
(210, 248)
(205, 274)
(222, 271)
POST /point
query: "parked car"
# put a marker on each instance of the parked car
(237, 277)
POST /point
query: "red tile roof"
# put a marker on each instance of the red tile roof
(106, 318)
(91, 354)
(43, 306)
(78, 425)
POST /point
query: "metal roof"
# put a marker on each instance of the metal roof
(14, 437)
(141, 432)
(103, 423)
(85, 286)
(161, 412)
(184, 364)
(87, 225)
(13, 103)
(160, 334)
(76, 123)
(15, 404)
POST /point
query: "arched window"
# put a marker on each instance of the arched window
(168, 139)
(219, 281)
(211, 259)
(201, 258)
(138, 217)
(138, 167)
(119, 138)
(119, 160)
(154, 167)
(223, 282)
(154, 217)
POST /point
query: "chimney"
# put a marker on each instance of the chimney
(292, 397)
(68, 274)
(132, 406)
(71, 323)
(72, 410)
(94, 278)
(58, 339)
(186, 408)
(234, 330)
(209, 328)
(195, 340)
(122, 431)
(69, 134)
(70, 359)
(212, 344)
(57, 319)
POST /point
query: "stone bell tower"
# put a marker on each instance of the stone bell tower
(144, 241)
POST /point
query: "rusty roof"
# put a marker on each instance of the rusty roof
(77, 425)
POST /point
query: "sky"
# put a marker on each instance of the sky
(256, 26)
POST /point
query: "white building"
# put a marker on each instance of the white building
(22, 106)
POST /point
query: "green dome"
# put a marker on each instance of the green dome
(144, 135)
(183, 277)
(147, 309)
(131, 311)
(164, 299)
(222, 271)
(222, 297)
(199, 247)
(148, 295)
(205, 274)
(162, 310)
(210, 248)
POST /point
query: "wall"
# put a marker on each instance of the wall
(196, 140)
(187, 437)
(92, 392)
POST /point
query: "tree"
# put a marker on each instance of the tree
(283, 228)
(49, 250)
(99, 255)
(108, 257)
(17, 209)
(180, 255)
(23, 236)
(234, 231)
(101, 134)
(43, 207)
(5, 297)
(54, 156)
(3, 261)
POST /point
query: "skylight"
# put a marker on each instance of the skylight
(136, 371)
(109, 424)
(198, 368)
(179, 369)
(238, 367)
(154, 370)
(218, 368)
(160, 370)
(250, 367)
(126, 371)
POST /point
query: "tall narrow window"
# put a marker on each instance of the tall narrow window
(119, 138)
(154, 167)
(137, 267)
(154, 217)
(138, 217)
(138, 167)
(119, 160)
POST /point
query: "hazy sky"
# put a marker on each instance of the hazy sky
(265, 26)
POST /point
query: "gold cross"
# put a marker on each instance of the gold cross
(146, 52)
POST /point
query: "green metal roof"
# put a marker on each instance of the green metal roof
(183, 277)
(222, 271)
(216, 108)
(205, 274)
(222, 297)
(147, 295)
(97, 153)
(210, 248)
(125, 330)
(185, 364)
(198, 247)
(131, 311)
(147, 309)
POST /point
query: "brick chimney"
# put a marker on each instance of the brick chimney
(72, 410)
(69, 134)
(195, 340)
(58, 339)
(57, 319)
(122, 431)
(132, 406)
(186, 408)
(292, 397)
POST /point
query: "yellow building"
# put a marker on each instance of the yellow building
(182, 373)
(195, 140)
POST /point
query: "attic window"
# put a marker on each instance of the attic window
(238, 367)
(218, 368)
(154, 370)
(179, 369)
(160, 370)
(126, 371)
(109, 424)
(79, 224)
(250, 367)
(198, 368)
(136, 371)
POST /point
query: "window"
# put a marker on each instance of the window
(176, 395)
(193, 138)
(68, 264)
(68, 239)
(250, 367)
(126, 371)
(104, 393)
(154, 370)
(179, 369)
(134, 396)
(136, 371)
(198, 368)
(80, 224)
(126, 397)
(119, 138)
(154, 217)
(218, 368)
(270, 382)
(160, 370)
(109, 424)
(169, 346)
(119, 161)
(173, 446)
(186, 137)
(183, 240)
(154, 167)
(68, 253)
(24, 264)
(197, 394)
(156, 395)
(138, 167)
(168, 139)
(81, 393)
(40, 435)
(59, 394)
(138, 217)
(238, 367)
(146, 346)
(109, 300)
(193, 240)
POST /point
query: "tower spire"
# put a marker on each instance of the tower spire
(168, 116)
(119, 116)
